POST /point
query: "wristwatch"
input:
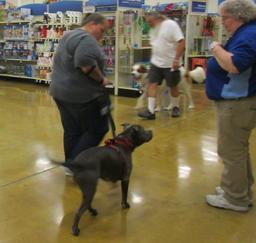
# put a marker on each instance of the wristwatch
(213, 45)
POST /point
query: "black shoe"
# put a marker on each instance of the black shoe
(175, 111)
(147, 115)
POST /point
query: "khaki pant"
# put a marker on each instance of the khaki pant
(236, 120)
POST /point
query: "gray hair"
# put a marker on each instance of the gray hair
(93, 18)
(243, 10)
(155, 15)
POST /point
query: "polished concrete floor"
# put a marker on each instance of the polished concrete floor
(171, 176)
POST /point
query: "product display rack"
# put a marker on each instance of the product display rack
(17, 48)
(132, 47)
(201, 30)
(27, 45)
(108, 45)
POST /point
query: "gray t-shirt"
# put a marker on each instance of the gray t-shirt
(76, 49)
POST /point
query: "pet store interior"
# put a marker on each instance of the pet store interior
(171, 174)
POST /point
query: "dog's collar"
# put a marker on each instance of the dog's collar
(126, 143)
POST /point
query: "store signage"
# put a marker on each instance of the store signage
(130, 3)
(88, 9)
(105, 8)
(198, 6)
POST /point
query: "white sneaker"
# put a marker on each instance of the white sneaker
(68, 172)
(220, 202)
(220, 191)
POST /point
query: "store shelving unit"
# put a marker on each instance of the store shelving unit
(201, 29)
(16, 49)
(132, 47)
(27, 46)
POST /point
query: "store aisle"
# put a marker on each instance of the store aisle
(170, 178)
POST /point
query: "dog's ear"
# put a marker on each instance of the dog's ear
(142, 69)
(125, 125)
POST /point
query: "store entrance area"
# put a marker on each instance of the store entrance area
(171, 176)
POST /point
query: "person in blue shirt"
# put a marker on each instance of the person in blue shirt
(231, 83)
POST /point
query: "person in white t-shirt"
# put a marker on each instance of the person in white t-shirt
(168, 46)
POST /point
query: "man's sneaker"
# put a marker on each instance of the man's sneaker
(220, 202)
(175, 111)
(147, 115)
(68, 172)
(220, 191)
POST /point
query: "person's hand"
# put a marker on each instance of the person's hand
(175, 64)
(106, 82)
(214, 44)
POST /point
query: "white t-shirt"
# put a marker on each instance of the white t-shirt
(163, 39)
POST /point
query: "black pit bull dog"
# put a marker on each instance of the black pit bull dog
(111, 162)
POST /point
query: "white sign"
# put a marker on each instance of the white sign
(89, 9)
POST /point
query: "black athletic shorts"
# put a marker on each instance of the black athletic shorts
(157, 75)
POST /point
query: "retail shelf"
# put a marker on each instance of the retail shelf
(15, 76)
(17, 60)
(199, 55)
(202, 37)
(46, 39)
(128, 92)
(15, 22)
(44, 52)
(128, 88)
(44, 66)
(24, 77)
(16, 39)
(56, 24)
(143, 48)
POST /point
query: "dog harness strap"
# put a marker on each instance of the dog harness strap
(111, 144)
(125, 142)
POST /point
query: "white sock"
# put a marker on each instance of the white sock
(151, 104)
(175, 101)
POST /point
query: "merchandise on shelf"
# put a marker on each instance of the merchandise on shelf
(16, 32)
(108, 46)
(19, 14)
(3, 15)
(67, 18)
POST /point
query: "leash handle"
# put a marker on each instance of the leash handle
(112, 124)
(110, 117)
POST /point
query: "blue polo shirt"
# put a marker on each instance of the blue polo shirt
(222, 85)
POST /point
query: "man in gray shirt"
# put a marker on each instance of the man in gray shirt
(78, 86)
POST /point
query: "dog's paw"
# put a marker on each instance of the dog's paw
(125, 205)
(93, 211)
(76, 231)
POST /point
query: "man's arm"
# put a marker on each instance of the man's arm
(179, 52)
(95, 73)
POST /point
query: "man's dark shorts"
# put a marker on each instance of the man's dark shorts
(157, 75)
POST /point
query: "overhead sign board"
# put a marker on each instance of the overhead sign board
(130, 3)
(199, 6)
